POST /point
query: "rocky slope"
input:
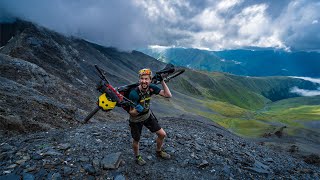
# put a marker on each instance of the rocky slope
(199, 150)
(48, 80)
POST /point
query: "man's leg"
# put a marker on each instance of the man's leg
(153, 125)
(160, 153)
(135, 129)
(136, 133)
(139, 160)
(161, 135)
(135, 146)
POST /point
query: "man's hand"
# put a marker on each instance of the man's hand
(159, 77)
(139, 108)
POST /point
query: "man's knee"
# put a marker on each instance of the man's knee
(135, 134)
(136, 138)
(161, 133)
(135, 143)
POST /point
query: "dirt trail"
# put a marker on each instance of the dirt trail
(199, 150)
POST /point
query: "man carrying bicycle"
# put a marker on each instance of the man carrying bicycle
(141, 115)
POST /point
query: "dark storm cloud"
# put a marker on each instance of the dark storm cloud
(300, 25)
(116, 23)
(275, 7)
(289, 24)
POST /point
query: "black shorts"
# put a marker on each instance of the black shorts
(136, 127)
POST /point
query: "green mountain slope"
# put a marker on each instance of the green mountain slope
(245, 92)
(249, 106)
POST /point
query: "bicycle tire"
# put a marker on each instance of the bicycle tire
(174, 74)
(101, 74)
(170, 76)
(93, 112)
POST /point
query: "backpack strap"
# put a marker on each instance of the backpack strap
(149, 92)
(138, 92)
(140, 97)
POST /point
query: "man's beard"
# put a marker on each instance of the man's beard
(144, 86)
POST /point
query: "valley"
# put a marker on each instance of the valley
(256, 105)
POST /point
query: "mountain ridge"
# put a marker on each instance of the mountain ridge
(241, 61)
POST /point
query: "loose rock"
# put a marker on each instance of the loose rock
(111, 161)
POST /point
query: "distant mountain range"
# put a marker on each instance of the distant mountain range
(259, 62)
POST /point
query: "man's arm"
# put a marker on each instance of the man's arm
(134, 97)
(133, 111)
(165, 92)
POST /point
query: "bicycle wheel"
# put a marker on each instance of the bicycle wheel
(176, 73)
(167, 77)
(93, 112)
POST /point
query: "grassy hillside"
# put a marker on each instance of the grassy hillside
(293, 113)
(245, 92)
(219, 87)
(249, 106)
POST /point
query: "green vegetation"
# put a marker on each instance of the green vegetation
(220, 87)
(249, 106)
(292, 111)
(238, 120)
(294, 102)
(226, 109)
(253, 123)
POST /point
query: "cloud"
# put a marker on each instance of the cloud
(206, 24)
(111, 23)
(298, 25)
(314, 80)
(303, 92)
(227, 4)
(254, 28)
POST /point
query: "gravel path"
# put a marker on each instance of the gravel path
(99, 150)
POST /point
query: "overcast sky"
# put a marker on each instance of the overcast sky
(206, 24)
